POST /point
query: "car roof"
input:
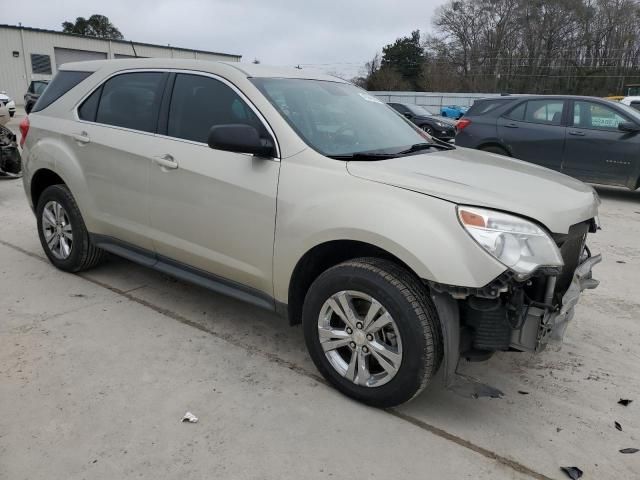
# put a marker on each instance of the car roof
(246, 69)
(517, 96)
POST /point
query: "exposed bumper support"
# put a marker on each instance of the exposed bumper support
(450, 324)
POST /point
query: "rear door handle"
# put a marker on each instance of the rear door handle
(511, 125)
(576, 133)
(166, 161)
(82, 137)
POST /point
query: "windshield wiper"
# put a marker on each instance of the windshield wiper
(424, 146)
(364, 156)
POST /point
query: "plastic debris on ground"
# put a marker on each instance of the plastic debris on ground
(572, 472)
(618, 426)
(624, 402)
(189, 417)
(629, 450)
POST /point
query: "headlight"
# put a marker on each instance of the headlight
(517, 243)
(440, 124)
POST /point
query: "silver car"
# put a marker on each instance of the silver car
(307, 196)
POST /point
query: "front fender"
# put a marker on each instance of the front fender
(318, 205)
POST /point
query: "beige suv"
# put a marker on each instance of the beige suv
(306, 195)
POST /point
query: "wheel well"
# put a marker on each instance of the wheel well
(493, 144)
(42, 179)
(321, 258)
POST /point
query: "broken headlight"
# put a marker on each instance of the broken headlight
(515, 242)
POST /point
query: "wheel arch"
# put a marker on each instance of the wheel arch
(322, 257)
(494, 143)
(40, 180)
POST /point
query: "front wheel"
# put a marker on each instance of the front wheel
(427, 129)
(11, 114)
(372, 331)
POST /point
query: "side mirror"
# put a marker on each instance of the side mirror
(628, 127)
(240, 138)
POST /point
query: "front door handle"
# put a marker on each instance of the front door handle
(82, 137)
(576, 133)
(511, 125)
(166, 161)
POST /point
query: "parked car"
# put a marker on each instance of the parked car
(436, 126)
(305, 195)
(7, 102)
(633, 102)
(36, 87)
(589, 138)
(453, 111)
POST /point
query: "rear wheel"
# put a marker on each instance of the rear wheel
(495, 149)
(62, 231)
(372, 331)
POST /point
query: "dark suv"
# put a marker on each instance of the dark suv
(436, 126)
(36, 87)
(589, 138)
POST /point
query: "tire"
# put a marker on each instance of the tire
(28, 107)
(81, 254)
(11, 114)
(444, 114)
(428, 129)
(495, 149)
(417, 337)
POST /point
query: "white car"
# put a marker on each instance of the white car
(632, 102)
(6, 101)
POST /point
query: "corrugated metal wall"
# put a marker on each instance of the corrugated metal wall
(16, 72)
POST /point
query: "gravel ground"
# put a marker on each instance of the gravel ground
(97, 369)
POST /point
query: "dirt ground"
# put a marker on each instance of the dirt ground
(97, 369)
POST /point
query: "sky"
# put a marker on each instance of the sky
(331, 35)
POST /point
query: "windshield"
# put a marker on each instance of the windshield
(339, 119)
(418, 110)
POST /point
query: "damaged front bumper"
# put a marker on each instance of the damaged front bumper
(504, 317)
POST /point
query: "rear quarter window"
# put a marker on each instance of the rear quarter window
(480, 107)
(61, 84)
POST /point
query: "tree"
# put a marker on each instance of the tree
(405, 57)
(95, 26)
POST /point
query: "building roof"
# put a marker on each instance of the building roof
(128, 42)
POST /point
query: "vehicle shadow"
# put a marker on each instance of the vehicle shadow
(617, 193)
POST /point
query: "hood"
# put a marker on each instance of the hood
(472, 177)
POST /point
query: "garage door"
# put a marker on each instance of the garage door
(66, 55)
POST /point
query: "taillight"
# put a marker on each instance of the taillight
(462, 124)
(24, 129)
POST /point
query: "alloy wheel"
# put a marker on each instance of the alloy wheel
(57, 230)
(360, 338)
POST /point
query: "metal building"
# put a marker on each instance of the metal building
(28, 54)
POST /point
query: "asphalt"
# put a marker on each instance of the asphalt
(97, 369)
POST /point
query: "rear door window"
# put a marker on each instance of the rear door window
(130, 100)
(64, 81)
(199, 103)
